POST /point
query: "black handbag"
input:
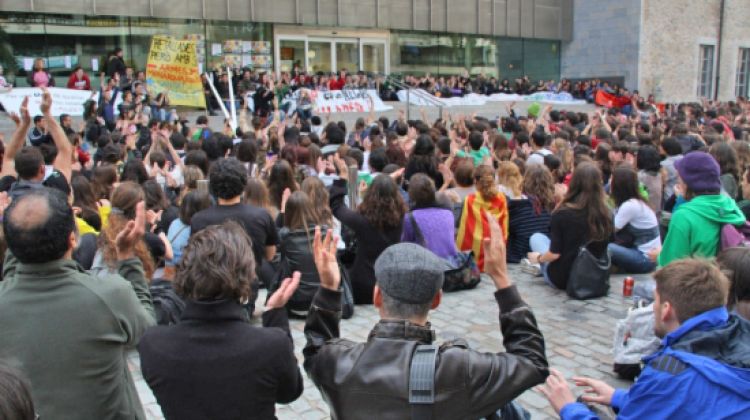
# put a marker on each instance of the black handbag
(464, 276)
(589, 275)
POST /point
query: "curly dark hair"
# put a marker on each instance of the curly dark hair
(217, 263)
(383, 205)
(227, 178)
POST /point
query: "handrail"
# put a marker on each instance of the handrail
(420, 94)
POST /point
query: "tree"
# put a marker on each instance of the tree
(6, 56)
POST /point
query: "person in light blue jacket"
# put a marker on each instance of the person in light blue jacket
(701, 370)
(179, 230)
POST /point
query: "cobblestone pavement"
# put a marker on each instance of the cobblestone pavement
(578, 336)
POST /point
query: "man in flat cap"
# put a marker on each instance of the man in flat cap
(398, 373)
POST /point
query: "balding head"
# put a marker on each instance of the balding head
(38, 226)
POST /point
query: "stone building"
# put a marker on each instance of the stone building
(678, 50)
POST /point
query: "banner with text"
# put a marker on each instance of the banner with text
(64, 101)
(172, 67)
(354, 100)
(474, 99)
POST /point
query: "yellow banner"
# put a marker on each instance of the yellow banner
(173, 68)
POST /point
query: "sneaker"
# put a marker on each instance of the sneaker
(529, 268)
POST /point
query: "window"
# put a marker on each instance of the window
(743, 73)
(706, 75)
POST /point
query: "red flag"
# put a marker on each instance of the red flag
(609, 100)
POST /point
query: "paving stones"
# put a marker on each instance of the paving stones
(578, 337)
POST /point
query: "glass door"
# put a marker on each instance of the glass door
(319, 57)
(373, 56)
(347, 55)
(291, 54)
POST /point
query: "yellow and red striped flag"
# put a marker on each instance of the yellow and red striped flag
(473, 226)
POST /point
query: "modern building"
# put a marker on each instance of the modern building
(678, 50)
(505, 38)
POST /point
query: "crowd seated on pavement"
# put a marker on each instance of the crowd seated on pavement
(133, 219)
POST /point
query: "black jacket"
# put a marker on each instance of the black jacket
(296, 255)
(214, 365)
(371, 380)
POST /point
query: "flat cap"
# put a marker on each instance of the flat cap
(410, 273)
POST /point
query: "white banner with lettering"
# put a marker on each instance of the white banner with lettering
(474, 99)
(354, 100)
(64, 101)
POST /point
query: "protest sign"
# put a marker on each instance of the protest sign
(347, 101)
(473, 99)
(64, 101)
(172, 67)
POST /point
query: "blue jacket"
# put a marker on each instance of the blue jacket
(701, 371)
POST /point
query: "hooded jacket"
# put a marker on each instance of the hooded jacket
(702, 371)
(696, 227)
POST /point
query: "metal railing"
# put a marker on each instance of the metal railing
(410, 90)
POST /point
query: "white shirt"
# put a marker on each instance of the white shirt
(639, 215)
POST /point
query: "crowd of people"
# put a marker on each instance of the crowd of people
(140, 228)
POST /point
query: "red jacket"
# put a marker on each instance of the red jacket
(336, 84)
(82, 84)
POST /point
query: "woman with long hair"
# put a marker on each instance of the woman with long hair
(530, 213)
(582, 219)
(636, 225)
(85, 206)
(124, 200)
(376, 224)
(729, 166)
(423, 159)
(179, 230)
(280, 178)
(510, 180)
(487, 201)
(256, 194)
(648, 162)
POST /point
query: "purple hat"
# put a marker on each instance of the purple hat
(700, 172)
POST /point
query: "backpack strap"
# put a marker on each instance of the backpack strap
(422, 381)
(417, 231)
(668, 363)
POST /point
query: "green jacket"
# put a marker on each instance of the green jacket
(69, 333)
(695, 228)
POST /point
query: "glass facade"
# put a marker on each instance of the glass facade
(448, 54)
(65, 41)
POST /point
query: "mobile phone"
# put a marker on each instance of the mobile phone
(202, 185)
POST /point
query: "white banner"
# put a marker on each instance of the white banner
(474, 99)
(355, 100)
(64, 101)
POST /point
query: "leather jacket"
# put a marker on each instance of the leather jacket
(371, 380)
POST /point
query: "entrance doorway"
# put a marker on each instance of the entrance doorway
(314, 53)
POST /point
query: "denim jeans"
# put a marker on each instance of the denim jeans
(630, 260)
(540, 243)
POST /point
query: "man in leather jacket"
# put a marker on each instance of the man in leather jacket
(371, 380)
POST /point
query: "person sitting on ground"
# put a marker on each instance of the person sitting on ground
(231, 369)
(478, 152)
(735, 262)
(726, 157)
(582, 219)
(510, 180)
(636, 225)
(695, 227)
(427, 223)
(227, 181)
(701, 369)
(538, 148)
(376, 224)
(409, 286)
(530, 214)
(84, 323)
(486, 203)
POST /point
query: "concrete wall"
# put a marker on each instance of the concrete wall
(670, 45)
(605, 41)
(544, 19)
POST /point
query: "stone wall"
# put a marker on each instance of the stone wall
(605, 41)
(673, 31)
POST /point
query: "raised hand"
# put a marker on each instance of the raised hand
(133, 232)
(494, 253)
(324, 252)
(286, 290)
(24, 110)
(46, 105)
(284, 198)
